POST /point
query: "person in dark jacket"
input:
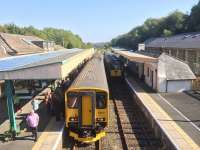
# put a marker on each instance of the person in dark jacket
(56, 106)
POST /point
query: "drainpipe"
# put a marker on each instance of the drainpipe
(166, 86)
(10, 107)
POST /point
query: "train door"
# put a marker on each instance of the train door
(87, 109)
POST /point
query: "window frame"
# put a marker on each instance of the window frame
(106, 99)
(78, 97)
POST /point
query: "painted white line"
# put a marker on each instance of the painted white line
(151, 113)
(180, 113)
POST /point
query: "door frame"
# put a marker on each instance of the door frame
(93, 96)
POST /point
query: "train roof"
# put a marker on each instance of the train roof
(111, 58)
(92, 76)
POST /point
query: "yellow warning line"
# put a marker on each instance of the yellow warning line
(43, 136)
(149, 102)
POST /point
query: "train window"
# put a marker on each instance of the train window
(72, 100)
(101, 100)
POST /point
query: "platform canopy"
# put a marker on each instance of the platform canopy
(48, 65)
(136, 56)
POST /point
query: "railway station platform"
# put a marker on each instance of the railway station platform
(52, 136)
(54, 65)
(174, 117)
(24, 140)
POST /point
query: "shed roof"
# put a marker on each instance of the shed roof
(175, 69)
(51, 65)
(186, 40)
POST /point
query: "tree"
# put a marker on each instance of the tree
(194, 19)
(3, 29)
(174, 23)
(60, 36)
(167, 33)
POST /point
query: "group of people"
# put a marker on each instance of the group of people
(54, 102)
(32, 119)
(54, 107)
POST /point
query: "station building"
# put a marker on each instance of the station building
(161, 72)
(14, 44)
(185, 47)
(166, 75)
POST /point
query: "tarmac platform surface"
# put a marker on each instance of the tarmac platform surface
(184, 110)
(24, 140)
(177, 114)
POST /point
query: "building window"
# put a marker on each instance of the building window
(173, 53)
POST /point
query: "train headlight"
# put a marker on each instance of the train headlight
(100, 119)
(73, 119)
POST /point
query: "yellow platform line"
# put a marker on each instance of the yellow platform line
(149, 102)
(43, 136)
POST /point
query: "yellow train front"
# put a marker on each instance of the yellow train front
(114, 66)
(87, 103)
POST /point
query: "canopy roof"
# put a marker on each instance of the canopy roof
(49, 65)
(136, 56)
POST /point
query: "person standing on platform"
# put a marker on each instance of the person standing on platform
(56, 106)
(35, 104)
(17, 103)
(48, 102)
(32, 122)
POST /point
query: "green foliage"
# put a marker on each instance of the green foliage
(61, 37)
(167, 33)
(194, 19)
(175, 23)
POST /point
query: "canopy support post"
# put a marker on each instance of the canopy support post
(10, 107)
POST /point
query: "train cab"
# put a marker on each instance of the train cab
(87, 103)
(114, 66)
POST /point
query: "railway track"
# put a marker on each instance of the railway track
(70, 144)
(128, 128)
(93, 146)
(133, 128)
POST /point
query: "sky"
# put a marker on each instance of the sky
(92, 20)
